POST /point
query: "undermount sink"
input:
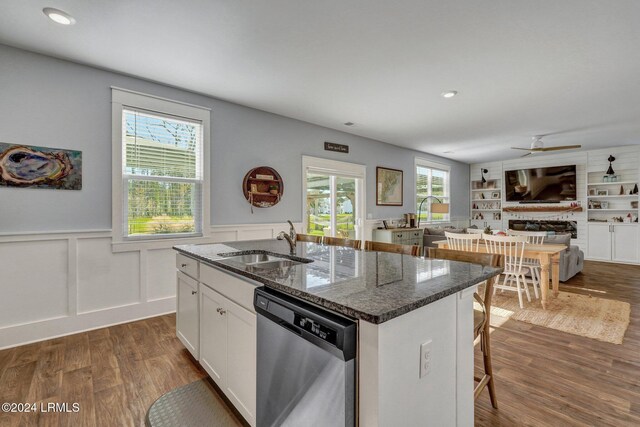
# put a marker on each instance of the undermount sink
(263, 260)
(272, 264)
(254, 258)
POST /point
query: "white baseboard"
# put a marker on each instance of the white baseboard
(53, 328)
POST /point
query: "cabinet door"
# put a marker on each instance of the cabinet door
(187, 313)
(213, 335)
(241, 360)
(599, 246)
(625, 243)
(382, 236)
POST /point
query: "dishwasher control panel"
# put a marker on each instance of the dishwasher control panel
(331, 332)
(321, 331)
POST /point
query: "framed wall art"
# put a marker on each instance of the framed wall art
(388, 187)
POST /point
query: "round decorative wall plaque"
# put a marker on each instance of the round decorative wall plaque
(262, 187)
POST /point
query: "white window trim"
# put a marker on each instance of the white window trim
(433, 165)
(120, 99)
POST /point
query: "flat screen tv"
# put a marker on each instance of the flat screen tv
(550, 185)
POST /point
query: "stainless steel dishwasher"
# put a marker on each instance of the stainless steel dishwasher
(306, 364)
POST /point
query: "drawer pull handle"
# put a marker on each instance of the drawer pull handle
(183, 265)
(194, 292)
(221, 311)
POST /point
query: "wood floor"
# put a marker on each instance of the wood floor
(546, 377)
(115, 374)
(543, 377)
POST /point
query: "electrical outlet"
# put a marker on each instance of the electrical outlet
(425, 359)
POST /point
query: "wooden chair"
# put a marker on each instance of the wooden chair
(391, 247)
(481, 319)
(308, 238)
(534, 238)
(512, 249)
(463, 242)
(339, 241)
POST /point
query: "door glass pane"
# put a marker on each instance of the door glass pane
(346, 207)
(318, 204)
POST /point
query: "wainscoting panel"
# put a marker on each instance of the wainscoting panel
(106, 279)
(161, 274)
(34, 281)
(60, 283)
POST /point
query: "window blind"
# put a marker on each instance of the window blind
(162, 174)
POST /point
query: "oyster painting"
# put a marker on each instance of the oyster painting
(388, 187)
(40, 167)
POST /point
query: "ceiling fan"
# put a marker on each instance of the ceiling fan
(537, 146)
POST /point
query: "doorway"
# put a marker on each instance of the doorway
(333, 198)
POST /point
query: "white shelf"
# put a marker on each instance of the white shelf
(487, 210)
(612, 183)
(612, 210)
(624, 196)
(613, 223)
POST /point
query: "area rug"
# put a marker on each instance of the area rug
(598, 318)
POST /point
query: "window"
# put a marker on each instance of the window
(159, 168)
(432, 179)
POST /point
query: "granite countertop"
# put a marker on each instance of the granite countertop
(367, 285)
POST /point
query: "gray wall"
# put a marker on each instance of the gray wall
(55, 103)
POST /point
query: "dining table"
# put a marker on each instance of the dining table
(549, 256)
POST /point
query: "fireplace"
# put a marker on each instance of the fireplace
(555, 227)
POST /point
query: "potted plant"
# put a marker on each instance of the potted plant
(273, 189)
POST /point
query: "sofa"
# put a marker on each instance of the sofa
(433, 234)
(571, 259)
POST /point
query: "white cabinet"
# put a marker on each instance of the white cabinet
(400, 236)
(213, 334)
(228, 336)
(625, 243)
(187, 316)
(241, 360)
(613, 242)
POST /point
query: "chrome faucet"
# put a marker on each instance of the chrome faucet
(292, 243)
(292, 231)
(290, 238)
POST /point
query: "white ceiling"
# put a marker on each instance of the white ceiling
(521, 67)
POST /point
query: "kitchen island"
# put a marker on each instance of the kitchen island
(404, 307)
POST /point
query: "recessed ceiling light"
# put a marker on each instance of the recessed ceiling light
(58, 16)
(349, 124)
(449, 94)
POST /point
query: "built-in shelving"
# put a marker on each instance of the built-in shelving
(486, 203)
(591, 184)
(610, 206)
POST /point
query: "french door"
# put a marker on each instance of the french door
(333, 198)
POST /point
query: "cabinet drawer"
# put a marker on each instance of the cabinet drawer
(238, 290)
(416, 233)
(188, 266)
